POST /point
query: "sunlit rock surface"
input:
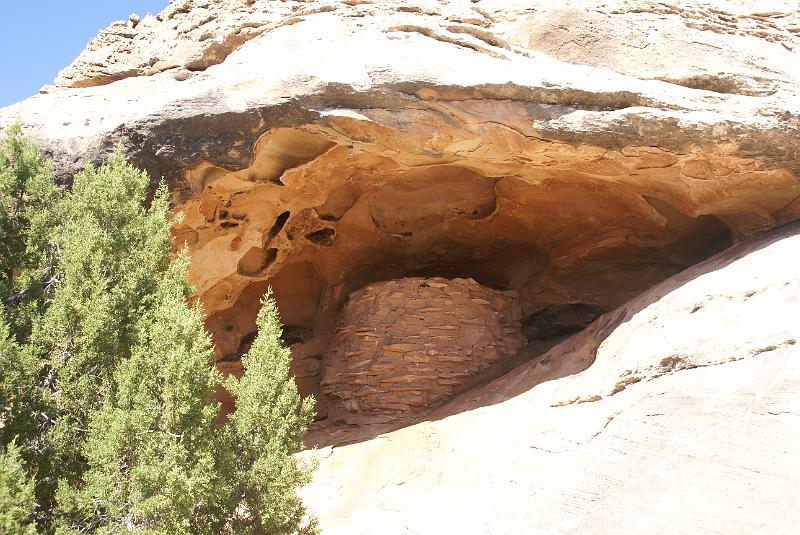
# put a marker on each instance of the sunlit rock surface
(572, 155)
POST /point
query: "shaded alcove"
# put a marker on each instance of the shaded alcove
(297, 290)
(500, 264)
(571, 251)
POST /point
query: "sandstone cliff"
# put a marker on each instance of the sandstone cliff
(566, 156)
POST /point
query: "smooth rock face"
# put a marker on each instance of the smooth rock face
(677, 413)
(719, 48)
(406, 345)
(573, 153)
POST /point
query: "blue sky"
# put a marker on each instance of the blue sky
(40, 37)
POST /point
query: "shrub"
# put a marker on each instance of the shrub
(107, 372)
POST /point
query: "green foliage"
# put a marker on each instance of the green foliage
(17, 498)
(111, 252)
(267, 427)
(106, 373)
(18, 392)
(28, 199)
(28, 211)
(151, 447)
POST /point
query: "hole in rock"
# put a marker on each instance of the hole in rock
(283, 149)
(296, 288)
(558, 321)
(699, 237)
(296, 334)
(706, 236)
(430, 198)
(280, 222)
(244, 347)
(322, 237)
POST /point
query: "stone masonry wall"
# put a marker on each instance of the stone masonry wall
(405, 345)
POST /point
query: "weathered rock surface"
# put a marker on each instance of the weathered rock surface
(716, 47)
(575, 154)
(293, 63)
(677, 413)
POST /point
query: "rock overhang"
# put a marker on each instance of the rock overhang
(289, 73)
(564, 225)
(318, 169)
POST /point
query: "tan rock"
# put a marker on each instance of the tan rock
(676, 413)
(399, 348)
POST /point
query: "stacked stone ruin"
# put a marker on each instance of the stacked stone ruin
(405, 345)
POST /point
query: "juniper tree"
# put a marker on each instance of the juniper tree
(267, 428)
(19, 394)
(111, 250)
(151, 450)
(107, 373)
(21, 442)
(153, 460)
(28, 212)
(16, 494)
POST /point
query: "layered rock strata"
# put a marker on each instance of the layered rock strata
(406, 345)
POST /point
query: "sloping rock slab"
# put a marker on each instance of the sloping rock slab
(677, 413)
